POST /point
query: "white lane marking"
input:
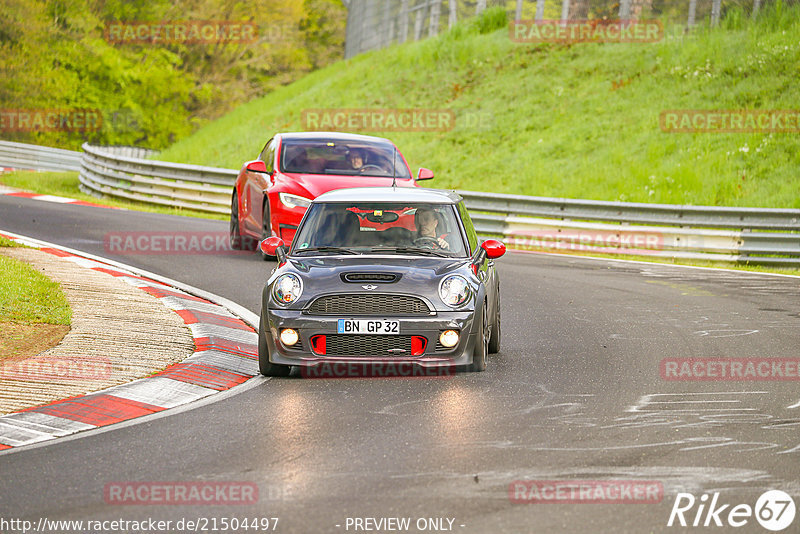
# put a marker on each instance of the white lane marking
(162, 392)
(53, 198)
(795, 405)
(724, 333)
(233, 334)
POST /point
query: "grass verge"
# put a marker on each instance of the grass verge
(34, 312)
(561, 120)
(65, 184)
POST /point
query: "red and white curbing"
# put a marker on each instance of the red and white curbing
(226, 354)
(11, 192)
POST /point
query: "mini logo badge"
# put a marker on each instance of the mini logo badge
(370, 287)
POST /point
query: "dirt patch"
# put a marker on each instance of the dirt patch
(20, 341)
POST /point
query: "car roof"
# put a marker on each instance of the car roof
(339, 136)
(390, 194)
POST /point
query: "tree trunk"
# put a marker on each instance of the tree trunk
(403, 22)
(436, 8)
(539, 9)
(715, 9)
(480, 7)
(452, 15)
(692, 12)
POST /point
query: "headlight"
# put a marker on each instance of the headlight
(287, 288)
(454, 290)
(294, 201)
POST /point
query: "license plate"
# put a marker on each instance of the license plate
(368, 326)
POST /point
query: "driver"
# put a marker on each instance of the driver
(426, 221)
(356, 158)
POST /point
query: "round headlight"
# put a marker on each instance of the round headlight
(449, 338)
(287, 288)
(454, 290)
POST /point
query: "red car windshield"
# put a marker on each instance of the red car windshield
(342, 157)
(380, 227)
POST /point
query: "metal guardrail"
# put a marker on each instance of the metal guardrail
(105, 172)
(23, 156)
(745, 235)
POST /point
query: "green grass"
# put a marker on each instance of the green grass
(65, 184)
(27, 296)
(577, 121)
(5, 242)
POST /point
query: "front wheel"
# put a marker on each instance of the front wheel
(266, 229)
(235, 234)
(266, 367)
(494, 339)
(481, 350)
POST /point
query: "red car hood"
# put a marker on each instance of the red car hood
(316, 184)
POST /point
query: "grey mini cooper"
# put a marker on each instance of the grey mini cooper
(384, 276)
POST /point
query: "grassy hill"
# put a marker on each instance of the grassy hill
(578, 121)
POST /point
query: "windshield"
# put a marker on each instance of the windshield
(356, 158)
(380, 228)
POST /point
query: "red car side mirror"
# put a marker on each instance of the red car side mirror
(494, 248)
(257, 166)
(424, 174)
(271, 245)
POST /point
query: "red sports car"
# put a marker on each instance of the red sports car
(271, 193)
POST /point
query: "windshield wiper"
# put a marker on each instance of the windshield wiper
(411, 250)
(327, 249)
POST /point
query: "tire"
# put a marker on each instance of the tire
(494, 339)
(266, 230)
(265, 367)
(235, 234)
(481, 350)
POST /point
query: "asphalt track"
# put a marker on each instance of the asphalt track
(575, 393)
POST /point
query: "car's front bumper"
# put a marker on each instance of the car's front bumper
(429, 327)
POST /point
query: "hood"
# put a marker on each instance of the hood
(316, 184)
(415, 275)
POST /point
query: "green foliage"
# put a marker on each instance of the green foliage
(54, 56)
(494, 18)
(578, 121)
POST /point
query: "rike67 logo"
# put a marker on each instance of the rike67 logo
(774, 510)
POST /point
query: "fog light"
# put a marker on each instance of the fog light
(289, 337)
(449, 338)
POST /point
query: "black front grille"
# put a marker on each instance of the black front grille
(368, 304)
(381, 278)
(358, 345)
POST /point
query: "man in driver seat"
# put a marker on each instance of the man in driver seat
(356, 158)
(427, 224)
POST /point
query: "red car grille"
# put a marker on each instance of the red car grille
(360, 345)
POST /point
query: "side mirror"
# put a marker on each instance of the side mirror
(424, 174)
(494, 248)
(257, 166)
(274, 246)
